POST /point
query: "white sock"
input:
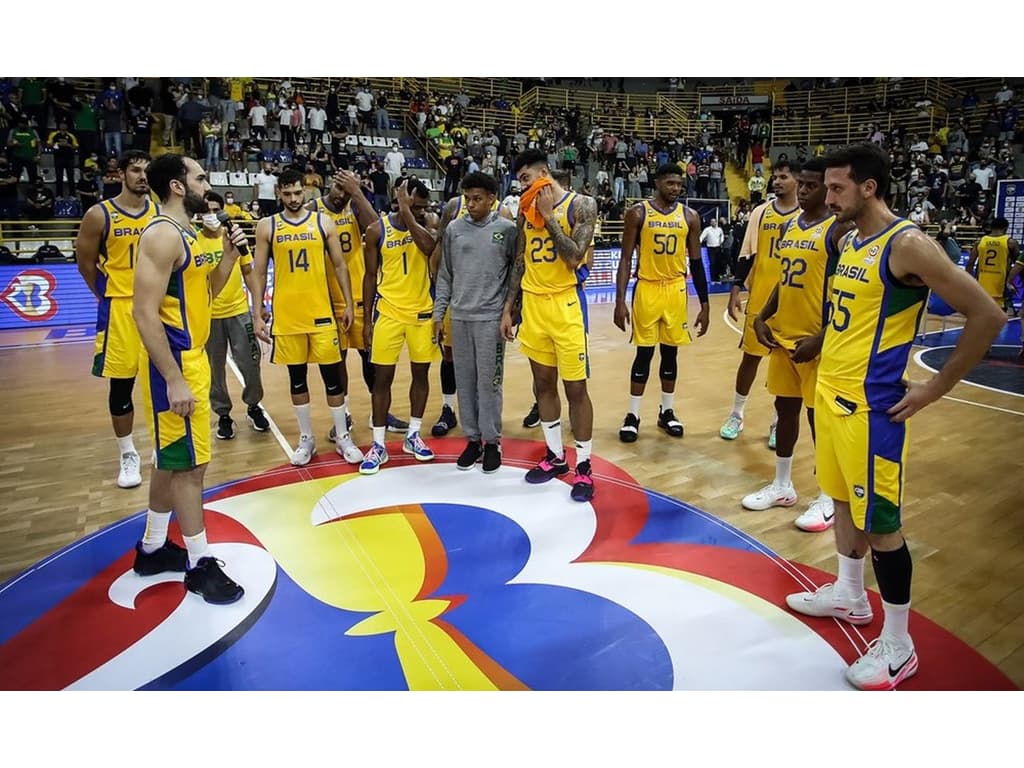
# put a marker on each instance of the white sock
(634, 404)
(667, 398)
(304, 414)
(449, 400)
(126, 445)
(415, 424)
(553, 437)
(338, 414)
(738, 404)
(583, 448)
(378, 435)
(784, 471)
(775, 419)
(197, 548)
(156, 530)
(345, 406)
(894, 625)
(850, 583)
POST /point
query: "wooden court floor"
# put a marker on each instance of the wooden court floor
(963, 515)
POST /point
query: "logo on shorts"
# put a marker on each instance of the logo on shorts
(498, 237)
(858, 491)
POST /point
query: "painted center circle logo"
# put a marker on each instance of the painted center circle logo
(425, 577)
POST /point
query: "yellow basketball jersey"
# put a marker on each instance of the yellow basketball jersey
(546, 273)
(462, 210)
(403, 276)
(185, 308)
(662, 244)
(231, 301)
(871, 322)
(301, 302)
(993, 264)
(767, 267)
(351, 248)
(119, 247)
(806, 258)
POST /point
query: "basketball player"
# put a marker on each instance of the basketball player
(398, 248)
(106, 250)
(231, 325)
(1000, 251)
(304, 328)
(791, 325)
(662, 231)
(760, 270)
(555, 229)
(863, 400)
(352, 213)
(472, 287)
(174, 284)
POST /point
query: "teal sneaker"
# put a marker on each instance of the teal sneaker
(732, 427)
(376, 457)
(771, 437)
(414, 444)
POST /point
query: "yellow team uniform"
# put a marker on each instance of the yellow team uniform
(118, 345)
(554, 328)
(232, 300)
(304, 329)
(403, 312)
(808, 258)
(182, 443)
(994, 265)
(765, 273)
(352, 249)
(871, 322)
(659, 296)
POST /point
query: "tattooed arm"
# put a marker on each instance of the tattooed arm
(446, 217)
(572, 249)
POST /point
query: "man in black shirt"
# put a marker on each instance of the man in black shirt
(39, 202)
(88, 189)
(61, 94)
(8, 190)
(380, 180)
(453, 175)
(64, 145)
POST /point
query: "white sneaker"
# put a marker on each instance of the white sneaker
(130, 475)
(820, 516)
(824, 602)
(771, 495)
(886, 664)
(305, 451)
(347, 449)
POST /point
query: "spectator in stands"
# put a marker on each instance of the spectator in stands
(703, 178)
(756, 186)
(312, 183)
(8, 190)
(946, 238)
(918, 145)
(61, 97)
(190, 113)
(264, 190)
(919, 216)
(254, 210)
(111, 179)
(64, 146)
(621, 173)
(258, 121)
(140, 126)
(23, 148)
(382, 120)
(1004, 94)
(210, 130)
(453, 175)
(712, 238)
(380, 181)
(111, 107)
(39, 202)
(88, 189)
(716, 178)
(32, 96)
(364, 107)
(917, 192)
(898, 175)
(757, 155)
(985, 175)
(321, 160)
(317, 118)
(394, 161)
(231, 208)
(968, 196)
(233, 148)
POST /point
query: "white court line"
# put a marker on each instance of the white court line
(50, 343)
(983, 405)
(920, 353)
(273, 426)
(728, 321)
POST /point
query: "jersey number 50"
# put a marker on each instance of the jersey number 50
(665, 245)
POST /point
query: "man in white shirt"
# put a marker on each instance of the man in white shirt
(364, 103)
(394, 160)
(265, 191)
(258, 122)
(711, 238)
(984, 174)
(511, 201)
(1004, 94)
(317, 122)
(919, 145)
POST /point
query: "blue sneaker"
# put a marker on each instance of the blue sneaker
(395, 424)
(414, 444)
(375, 458)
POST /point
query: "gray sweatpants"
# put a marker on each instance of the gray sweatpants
(479, 354)
(245, 351)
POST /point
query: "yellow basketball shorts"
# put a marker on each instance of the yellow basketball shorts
(181, 443)
(749, 342)
(554, 332)
(994, 285)
(447, 328)
(320, 347)
(789, 379)
(353, 337)
(118, 345)
(660, 313)
(390, 335)
(860, 459)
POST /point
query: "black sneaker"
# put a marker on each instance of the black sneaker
(209, 581)
(668, 422)
(532, 418)
(445, 422)
(170, 557)
(492, 458)
(630, 429)
(471, 455)
(225, 428)
(583, 483)
(257, 418)
(550, 467)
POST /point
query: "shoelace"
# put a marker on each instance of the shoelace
(882, 647)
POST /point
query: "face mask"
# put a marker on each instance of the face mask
(229, 201)
(210, 221)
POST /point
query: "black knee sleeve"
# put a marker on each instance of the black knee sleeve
(120, 398)
(669, 364)
(368, 369)
(893, 571)
(332, 379)
(447, 377)
(297, 379)
(641, 369)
